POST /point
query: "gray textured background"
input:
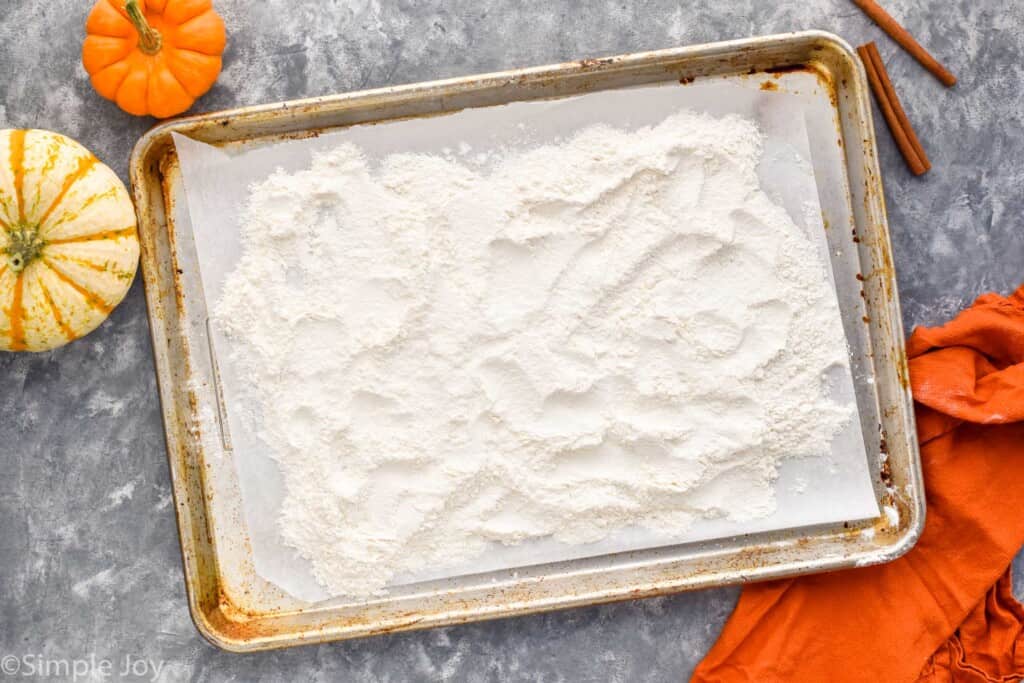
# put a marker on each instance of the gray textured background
(89, 558)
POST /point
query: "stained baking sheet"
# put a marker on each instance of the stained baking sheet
(238, 610)
(216, 179)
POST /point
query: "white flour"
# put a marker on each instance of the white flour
(617, 330)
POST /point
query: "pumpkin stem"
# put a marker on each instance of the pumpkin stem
(150, 40)
(24, 247)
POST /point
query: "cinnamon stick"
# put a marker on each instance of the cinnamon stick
(897, 106)
(903, 37)
(892, 110)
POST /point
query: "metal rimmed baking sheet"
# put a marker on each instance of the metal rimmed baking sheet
(247, 614)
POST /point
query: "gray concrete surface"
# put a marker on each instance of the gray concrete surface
(89, 557)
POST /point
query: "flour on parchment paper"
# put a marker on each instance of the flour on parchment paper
(620, 329)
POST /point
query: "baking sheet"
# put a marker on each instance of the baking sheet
(809, 491)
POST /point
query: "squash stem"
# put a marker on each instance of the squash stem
(150, 40)
(24, 247)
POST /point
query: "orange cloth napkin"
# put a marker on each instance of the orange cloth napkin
(944, 612)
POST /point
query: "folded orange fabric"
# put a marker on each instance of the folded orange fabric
(944, 612)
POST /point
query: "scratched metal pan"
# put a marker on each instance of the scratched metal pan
(239, 611)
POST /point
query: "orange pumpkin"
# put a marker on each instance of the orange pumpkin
(153, 56)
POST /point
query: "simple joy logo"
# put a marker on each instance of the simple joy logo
(91, 667)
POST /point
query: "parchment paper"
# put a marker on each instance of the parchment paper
(809, 491)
